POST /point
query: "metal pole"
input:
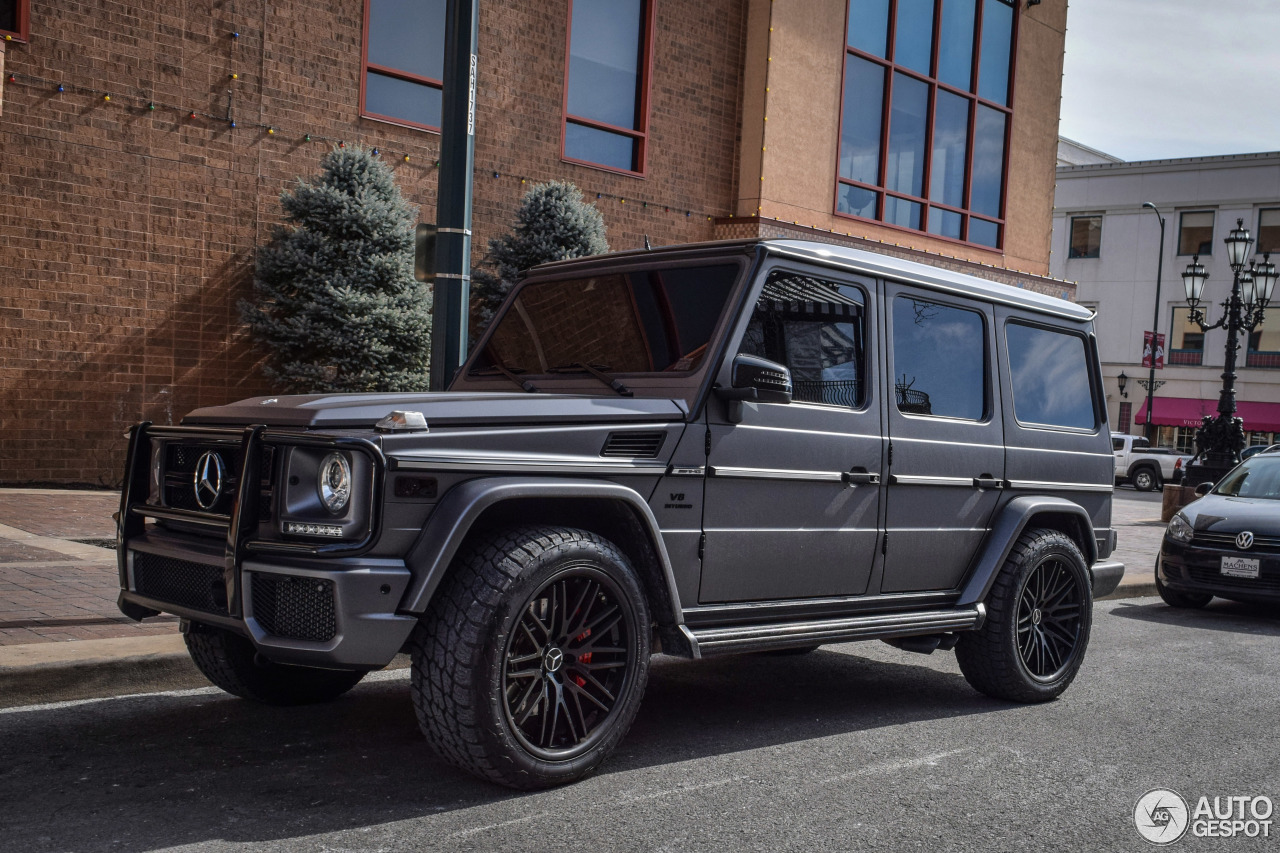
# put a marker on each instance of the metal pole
(1227, 398)
(453, 199)
(1155, 329)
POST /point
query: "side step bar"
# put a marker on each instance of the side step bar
(709, 642)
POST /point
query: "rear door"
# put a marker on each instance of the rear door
(946, 437)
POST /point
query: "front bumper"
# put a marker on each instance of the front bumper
(326, 605)
(1197, 569)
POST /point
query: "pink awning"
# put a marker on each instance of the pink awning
(1189, 412)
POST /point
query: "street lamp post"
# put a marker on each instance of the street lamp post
(1151, 385)
(1220, 439)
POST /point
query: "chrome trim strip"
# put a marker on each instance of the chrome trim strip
(1042, 485)
(777, 474)
(914, 480)
(558, 466)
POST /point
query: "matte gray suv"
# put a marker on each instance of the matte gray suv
(704, 450)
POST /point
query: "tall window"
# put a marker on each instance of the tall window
(1268, 230)
(606, 100)
(1195, 233)
(925, 116)
(15, 16)
(1086, 236)
(1186, 341)
(403, 61)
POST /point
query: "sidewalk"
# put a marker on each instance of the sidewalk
(62, 637)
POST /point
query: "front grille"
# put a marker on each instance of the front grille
(199, 586)
(295, 608)
(1227, 542)
(1262, 583)
(180, 461)
(634, 445)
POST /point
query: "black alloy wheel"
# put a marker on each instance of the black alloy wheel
(530, 663)
(1039, 616)
(1049, 620)
(567, 663)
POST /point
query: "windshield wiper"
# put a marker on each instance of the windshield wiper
(598, 373)
(510, 374)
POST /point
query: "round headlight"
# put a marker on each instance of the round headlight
(335, 482)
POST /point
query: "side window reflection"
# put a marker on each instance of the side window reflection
(817, 329)
(940, 359)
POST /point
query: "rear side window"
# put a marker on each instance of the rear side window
(816, 328)
(940, 359)
(1117, 444)
(1050, 375)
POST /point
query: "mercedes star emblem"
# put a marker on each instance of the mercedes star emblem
(208, 479)
(1244, 541)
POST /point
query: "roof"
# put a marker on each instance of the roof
(853, 260)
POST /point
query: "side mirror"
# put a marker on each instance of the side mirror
(1204, 489)
(755, 380)
(770, 381)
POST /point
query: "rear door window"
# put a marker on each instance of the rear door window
(940, 357)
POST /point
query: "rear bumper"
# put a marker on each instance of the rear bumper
(1107, 575)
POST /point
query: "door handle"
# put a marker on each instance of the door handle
(986, 481)
(860, 477)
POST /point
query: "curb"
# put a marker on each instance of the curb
(91, 669)
(42, 673)
(1141, 589)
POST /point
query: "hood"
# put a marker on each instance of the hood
(1222, 514)
(362, 411)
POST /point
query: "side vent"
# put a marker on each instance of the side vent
(634, 445)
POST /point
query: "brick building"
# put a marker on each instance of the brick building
(143, 147)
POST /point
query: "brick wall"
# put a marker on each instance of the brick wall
(126, 233)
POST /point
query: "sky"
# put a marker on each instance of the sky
(1154, 79)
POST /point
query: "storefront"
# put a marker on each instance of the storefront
(1178, 417)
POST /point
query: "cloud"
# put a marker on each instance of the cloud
(1151, 79)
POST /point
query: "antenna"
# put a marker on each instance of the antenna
(646, 243)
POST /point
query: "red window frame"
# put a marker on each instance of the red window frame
(23, 32)
(640, 134)
(891, 68)
(367, 66)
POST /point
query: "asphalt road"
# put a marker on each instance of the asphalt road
(853, 747)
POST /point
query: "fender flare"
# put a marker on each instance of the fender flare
(1014, 518)
(1145, 463)
(448, 525)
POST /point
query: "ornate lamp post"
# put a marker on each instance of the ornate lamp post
(1220, 439)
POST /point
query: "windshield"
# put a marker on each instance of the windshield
(1257, 477)
(644, 321)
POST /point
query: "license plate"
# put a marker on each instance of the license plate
(1240, 567)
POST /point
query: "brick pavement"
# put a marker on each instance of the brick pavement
(51, 586)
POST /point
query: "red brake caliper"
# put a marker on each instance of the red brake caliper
(578, 679)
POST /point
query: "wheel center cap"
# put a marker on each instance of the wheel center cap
(1036, 616)
(553, 659)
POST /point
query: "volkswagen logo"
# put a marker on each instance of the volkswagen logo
(1244, 540)
(208, 479)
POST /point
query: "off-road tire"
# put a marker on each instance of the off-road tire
(992, 659)
(464, 651)
(231, 662)
(1182, 600)
(1145, 479)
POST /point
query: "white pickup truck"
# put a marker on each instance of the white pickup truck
(1145, 466)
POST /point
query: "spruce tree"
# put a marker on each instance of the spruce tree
(552, 224)
(336, 307)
